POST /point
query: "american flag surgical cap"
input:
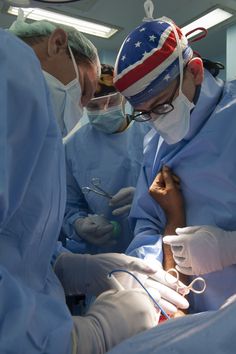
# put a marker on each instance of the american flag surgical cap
(149, 60)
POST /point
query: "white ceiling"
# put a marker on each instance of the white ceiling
(127, 14)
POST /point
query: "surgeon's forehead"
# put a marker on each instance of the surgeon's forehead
(159, 98)
(89, 75)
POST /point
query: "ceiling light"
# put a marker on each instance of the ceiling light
(82, 25)
(208, 20)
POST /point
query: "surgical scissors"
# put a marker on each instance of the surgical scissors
(174, 280)
(96, 188)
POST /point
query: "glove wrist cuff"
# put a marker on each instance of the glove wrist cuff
(227, 246)
(71, 271)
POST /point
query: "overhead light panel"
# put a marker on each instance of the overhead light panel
(208, 20)
(84, 26)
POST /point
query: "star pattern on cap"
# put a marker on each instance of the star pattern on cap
(138, 44)
(167, 77)
(148, 61)
(152, 38)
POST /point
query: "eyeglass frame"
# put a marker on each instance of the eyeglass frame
(146, 115)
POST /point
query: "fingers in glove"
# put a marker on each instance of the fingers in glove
(168, 294)
(181, 261)
(185, 270)
(89, 228)
(138, 265)
(178, 251)
(124, 196)
(173, 240)
(121, 211)
(120, 202)
(169, 308)
(167, 279)
(187, 230)
(102, 230)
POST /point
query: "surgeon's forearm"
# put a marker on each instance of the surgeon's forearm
(171, 226)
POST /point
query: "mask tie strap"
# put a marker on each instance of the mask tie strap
(74, 63)
(179, 55)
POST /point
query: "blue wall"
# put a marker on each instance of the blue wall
(231, 53)
(107, 56)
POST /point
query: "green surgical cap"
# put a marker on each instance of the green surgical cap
(76, 40)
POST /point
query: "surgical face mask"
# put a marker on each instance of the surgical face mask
(66, 100)
(174, 126)
(108, 121)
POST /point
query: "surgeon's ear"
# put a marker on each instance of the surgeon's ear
(57, 42)
(195, 67)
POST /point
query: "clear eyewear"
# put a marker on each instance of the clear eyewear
(156, 111)
(96, 188)
(104, 102)
(174, 280)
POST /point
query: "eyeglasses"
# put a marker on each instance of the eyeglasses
(156, 111)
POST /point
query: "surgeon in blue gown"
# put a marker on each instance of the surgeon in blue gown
(193, 117)
(31, 208)
(206, 332)
(34, 315)
(108, 147)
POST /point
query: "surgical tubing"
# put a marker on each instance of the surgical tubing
(141, 284)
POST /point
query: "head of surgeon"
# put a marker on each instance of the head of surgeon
(106, 109)
(70, 65)
(157, 73)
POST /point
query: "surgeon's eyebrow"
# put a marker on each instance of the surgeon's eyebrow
(162, 99)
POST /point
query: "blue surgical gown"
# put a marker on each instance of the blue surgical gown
(114, 158)
(206, 164)
(34, 316)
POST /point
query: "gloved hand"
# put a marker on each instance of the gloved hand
(94, 229)
(202, 249)
(163, 284)
(122, 201)
(84, 273)
(114, 316)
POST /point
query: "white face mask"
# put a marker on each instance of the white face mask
(66, 100)
(174, 126)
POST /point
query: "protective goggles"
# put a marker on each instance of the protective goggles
(104, 102)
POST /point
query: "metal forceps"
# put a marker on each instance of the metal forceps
(96, 188)
(185, 290)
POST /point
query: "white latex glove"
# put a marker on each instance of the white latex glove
(95, 229)
(114, 316)
(84, 273)
(122, 201)
(163, 284)
(202, 249)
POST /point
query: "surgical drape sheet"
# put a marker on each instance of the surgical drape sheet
(207, 332)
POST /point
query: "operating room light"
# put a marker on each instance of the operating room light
(82, 25)
(209, 20)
